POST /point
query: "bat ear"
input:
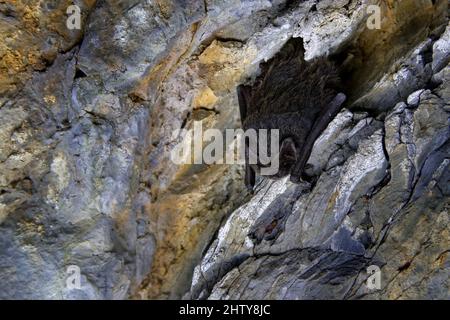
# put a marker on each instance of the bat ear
(288, 150)
(243, 93)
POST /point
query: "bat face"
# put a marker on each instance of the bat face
(295, 97)
(285, 156)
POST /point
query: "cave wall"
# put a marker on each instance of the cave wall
(87, 120)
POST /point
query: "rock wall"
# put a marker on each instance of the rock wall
(87, 122)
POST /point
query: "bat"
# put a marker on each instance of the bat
(297, 97)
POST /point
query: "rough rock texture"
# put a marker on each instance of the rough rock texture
(382, 203)
(87, 122)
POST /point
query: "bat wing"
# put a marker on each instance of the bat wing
(319, 126)
(243, 94)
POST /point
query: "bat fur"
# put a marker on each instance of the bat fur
(297, 97)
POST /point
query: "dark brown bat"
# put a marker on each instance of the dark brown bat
(297, 97)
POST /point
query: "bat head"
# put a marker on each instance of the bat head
(280, 162)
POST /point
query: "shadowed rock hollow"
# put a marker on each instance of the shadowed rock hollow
(87, 120)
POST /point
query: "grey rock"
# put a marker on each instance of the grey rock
(128, 37)
(441, 50)
(375, 208)
(414, 98)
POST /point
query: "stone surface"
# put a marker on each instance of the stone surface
(88, 119)
(386, 205)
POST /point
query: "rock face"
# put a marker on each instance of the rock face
(88, 120)
(383, 202)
